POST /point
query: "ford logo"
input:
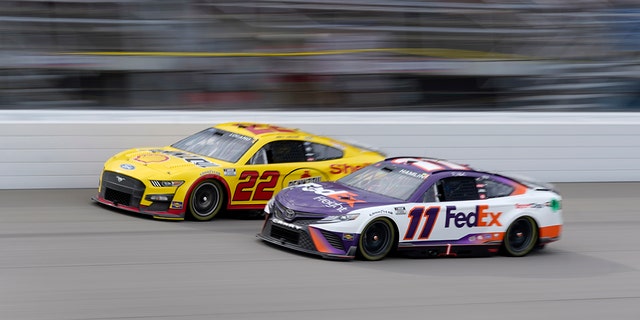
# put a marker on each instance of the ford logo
(127, 166)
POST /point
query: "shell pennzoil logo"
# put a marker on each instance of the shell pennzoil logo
(151, 158)
(302, 176)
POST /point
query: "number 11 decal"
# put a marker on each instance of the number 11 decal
(415, 215)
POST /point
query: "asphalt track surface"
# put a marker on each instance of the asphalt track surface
(64, 257)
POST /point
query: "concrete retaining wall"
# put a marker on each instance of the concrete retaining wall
(66, 149)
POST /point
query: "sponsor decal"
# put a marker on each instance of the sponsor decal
(209, 172)
(230, 172)
(383, 211)
(176, 204)
(302, 176)
(191, 158)
(264, 128)
(286, 224)
(127, 166)
(555, 204)
(331, 204)
(306, 178)
(400, 210)
(339, 195)
(529, 205)
(304, 181)
(239, 136)
(345, 168)
(348, 236)
(151, 157)
(480, 217)
(419, 175)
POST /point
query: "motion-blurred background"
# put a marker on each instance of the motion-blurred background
(320, 54)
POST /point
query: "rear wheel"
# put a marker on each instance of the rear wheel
(377, 239)
(206, 200)
(521, 237)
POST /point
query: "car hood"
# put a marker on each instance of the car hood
(165, 160)
(329, 198)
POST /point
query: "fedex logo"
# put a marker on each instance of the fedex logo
(342, 196)
(478, 218)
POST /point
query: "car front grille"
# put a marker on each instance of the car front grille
(285, 234)
(299, 238)
(122, 189)
(117, 197)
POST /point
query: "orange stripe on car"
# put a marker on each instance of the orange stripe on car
(519, 189)
(317, 239)
(550, 231)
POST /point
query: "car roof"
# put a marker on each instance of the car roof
(259, 130)
(428, 165)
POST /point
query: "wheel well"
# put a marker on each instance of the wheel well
(224, 189)
(535, 222)
(396, 237)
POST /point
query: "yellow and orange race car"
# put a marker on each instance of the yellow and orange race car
(228, 166)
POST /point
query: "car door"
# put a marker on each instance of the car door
(274, 166)
(465, 214)
(453, 209)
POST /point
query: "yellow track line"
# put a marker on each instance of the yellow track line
(440, 53)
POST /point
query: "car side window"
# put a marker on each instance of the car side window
(319, 152)
(285, 151)
(457, 189)
(260, 157)
(493, 189)
(431, 195)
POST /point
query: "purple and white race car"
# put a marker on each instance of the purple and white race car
(434, 206)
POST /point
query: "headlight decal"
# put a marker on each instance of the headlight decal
(166, 183)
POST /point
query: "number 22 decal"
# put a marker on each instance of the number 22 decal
(415, 216)
(268, 180)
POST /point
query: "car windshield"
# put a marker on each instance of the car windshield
(389, 181)
(217, 144)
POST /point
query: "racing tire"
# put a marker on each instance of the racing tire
(206, 200)
(376, 240)
(521, 237)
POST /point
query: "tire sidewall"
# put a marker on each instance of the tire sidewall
(532, 241)
(389, 245)
(193, 200)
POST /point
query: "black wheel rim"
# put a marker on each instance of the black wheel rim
(520, 235)
(377, 238)
(205, 199)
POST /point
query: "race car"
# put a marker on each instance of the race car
(228, 166)
(431, 206)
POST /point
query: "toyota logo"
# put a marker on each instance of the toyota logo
(289, 214)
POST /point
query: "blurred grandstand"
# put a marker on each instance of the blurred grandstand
(322, 54)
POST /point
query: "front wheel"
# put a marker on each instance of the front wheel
(206, 200)
(521, 237)
(377, 240)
